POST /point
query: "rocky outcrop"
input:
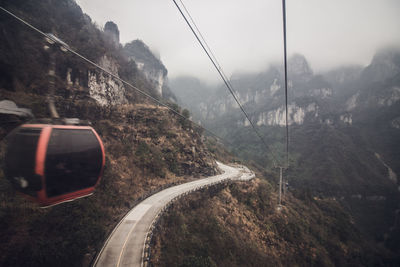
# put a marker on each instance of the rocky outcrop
(339, 97)
(391, 174)
(385, 65)
(391, 97)
(148, 63)
(395, 123)
(351, 103)
(299, 68)
(296, 115)
(112, 32)
(273, 88)
(105, 89)
(322, 92)
(347, 118)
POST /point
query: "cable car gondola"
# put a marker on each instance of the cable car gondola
(58, 160)
(52, 164)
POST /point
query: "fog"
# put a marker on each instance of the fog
(247, 35)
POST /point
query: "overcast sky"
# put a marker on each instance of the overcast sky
(246, 35)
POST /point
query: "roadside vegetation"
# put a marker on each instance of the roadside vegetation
(147, 150)
(240, 226)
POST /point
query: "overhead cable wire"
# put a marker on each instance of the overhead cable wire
(111, 74)
(286, 90)
(228, 85)
(206, 45)
(218, 67)
(204, 41)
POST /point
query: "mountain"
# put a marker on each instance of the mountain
(151, 66)
(134, 63)
(385, 65)
(343, 133)
(148, 147)
(236, 226)
(190, 90)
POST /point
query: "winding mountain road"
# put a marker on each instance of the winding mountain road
(126, 244)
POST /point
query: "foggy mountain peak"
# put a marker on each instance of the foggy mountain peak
(385, 65)
(111, 30)
(298, 65)
(138, 51)
(387, 55)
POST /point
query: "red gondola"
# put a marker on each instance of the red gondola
(54, 163)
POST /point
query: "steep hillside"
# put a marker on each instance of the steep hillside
(150, 65)
(148, 147)
(25, 62)
(240, 226)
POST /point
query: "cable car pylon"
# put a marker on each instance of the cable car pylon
(286, 109)
(280, 189)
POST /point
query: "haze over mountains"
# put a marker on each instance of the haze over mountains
(248, 36)
(263, 91)
(344, 130)
(343, 202)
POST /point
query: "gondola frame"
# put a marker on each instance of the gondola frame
(42, 198)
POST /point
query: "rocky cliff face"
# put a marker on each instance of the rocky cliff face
(73, 75)
(148, 63)
(385, 65)
(261, 93)
(299, 68)
(137, 56)
(103, 88)
(112, 32)
(328, 98)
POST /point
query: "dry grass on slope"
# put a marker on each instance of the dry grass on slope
(147, 149)
(240, 226)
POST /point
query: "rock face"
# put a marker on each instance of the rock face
(112, 32)
(330, 98)
(148, 63)
(347, 118)
(260, 94)
(385, 65)
(105, 89)
(322, 92)
(351, 103)
(277, 116)
(391, 174)
(396, 123)
(299, 67)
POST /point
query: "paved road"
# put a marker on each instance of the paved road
(125, 245)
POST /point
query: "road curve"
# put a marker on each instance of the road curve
(125, 245)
